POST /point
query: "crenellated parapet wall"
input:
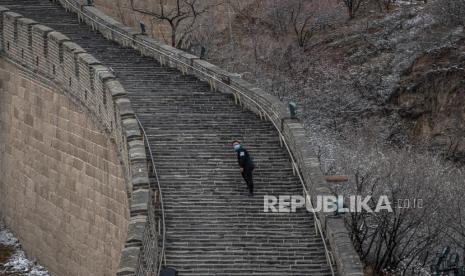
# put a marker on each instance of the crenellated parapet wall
(36, 56)
(250, 97)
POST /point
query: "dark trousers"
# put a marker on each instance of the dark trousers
(248, 177)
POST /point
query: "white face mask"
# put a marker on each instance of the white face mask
(237, 147)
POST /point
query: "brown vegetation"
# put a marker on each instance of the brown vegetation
(5, 253)
(379, 84)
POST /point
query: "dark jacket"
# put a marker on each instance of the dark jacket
(244, 159)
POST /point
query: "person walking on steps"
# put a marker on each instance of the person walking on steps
(246, 164)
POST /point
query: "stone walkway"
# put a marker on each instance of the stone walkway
(213, 228)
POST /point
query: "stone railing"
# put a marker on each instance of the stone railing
(291, 131)
(53, 56)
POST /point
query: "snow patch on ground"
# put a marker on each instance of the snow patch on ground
(18, 263)
(7, 238)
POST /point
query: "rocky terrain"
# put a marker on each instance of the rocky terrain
(347, 76)
(431, 96)
(353, 78)
(13, 259)
(381, 96)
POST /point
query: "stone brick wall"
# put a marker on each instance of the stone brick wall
(74, 182)
(249, 97)
(62, 189)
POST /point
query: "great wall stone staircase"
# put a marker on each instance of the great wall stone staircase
(213, 228)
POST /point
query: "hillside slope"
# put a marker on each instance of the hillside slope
(346, 77)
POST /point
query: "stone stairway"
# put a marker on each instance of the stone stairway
(213, 228)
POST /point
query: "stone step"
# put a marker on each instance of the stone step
(213, 228)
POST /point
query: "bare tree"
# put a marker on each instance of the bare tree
(301, 24)
(453, 209)
(449, 12)
(120, 12)
(181, 17)
(385, 4)
(301, 17)
(247, 10)
(352, 6)
(394, 242)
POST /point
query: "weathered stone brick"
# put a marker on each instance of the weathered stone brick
(51, 182)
